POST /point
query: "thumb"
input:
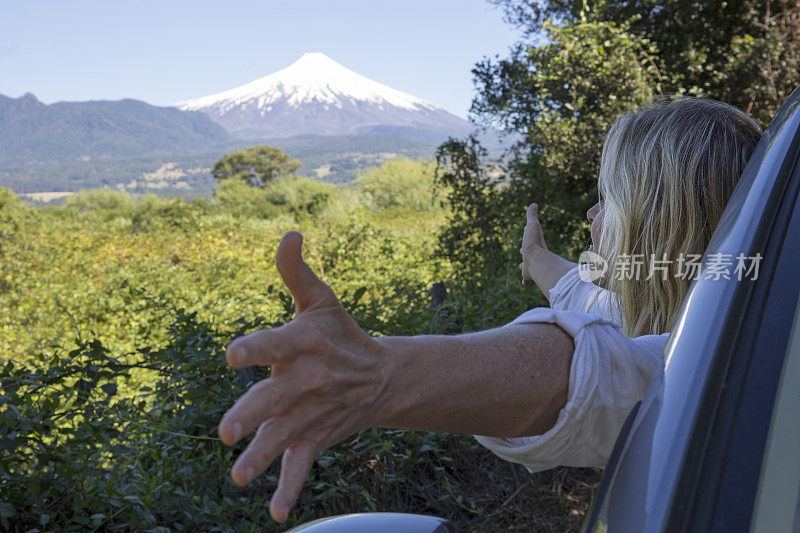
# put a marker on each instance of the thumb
(306, 288)
(533, 212)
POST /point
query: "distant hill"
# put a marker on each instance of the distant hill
(317, 95)
(31, 131)
(336, 159)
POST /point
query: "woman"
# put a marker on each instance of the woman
(666, 174)
(554, 386)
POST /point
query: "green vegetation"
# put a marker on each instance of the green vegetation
(746, 53)
(335, 159)
(400, 184)
(562, 93)
(116, 314)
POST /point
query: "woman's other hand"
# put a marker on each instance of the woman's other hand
(533, 244)
(539, 264)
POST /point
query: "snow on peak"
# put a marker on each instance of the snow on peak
(314, 77)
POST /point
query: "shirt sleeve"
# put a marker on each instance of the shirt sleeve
(610, 372)
(571, 293)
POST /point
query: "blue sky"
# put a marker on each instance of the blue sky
(167, 51)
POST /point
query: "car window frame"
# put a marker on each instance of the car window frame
(719, 480)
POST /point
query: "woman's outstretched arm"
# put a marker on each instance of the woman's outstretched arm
(329, 380)
(505, 382)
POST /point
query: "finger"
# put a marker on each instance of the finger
(270, 346)
(266, 399)
(295, 466)
(533, 212)
(306, 288)
(272, 437)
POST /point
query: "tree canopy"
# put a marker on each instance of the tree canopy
(256, 165)
(744, 52)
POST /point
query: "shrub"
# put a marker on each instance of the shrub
(300, 196)
(100, 200)
(237, 198)
(9, 202)
(295, 196)
(400, 183)
(152, 212)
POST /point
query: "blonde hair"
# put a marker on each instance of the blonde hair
(666, 174)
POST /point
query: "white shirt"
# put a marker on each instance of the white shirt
(610, 372)
(571, 293)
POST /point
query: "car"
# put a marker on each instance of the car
(715, 443)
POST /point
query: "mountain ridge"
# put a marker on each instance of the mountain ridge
(33, 131)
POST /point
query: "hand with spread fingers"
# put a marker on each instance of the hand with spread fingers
(324, 370)
(329, 380)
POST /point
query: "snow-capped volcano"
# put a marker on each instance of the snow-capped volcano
(318, 95)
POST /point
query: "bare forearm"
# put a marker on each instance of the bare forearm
(329, 380)
(506, 382)
(547, 269)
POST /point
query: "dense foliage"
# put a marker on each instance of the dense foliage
(116, 314)
(745, 53)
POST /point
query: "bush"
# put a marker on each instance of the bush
(300, 196)
(295, 196)
(100, 200)
(10, 202)
(90, 441)
(152, 212)
(400, 183)
(237, 198)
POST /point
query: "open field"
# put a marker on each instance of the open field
(47, 197)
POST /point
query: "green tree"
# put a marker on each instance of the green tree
(578, 65)
(745, 52)
(561, 97)
(256, 165)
